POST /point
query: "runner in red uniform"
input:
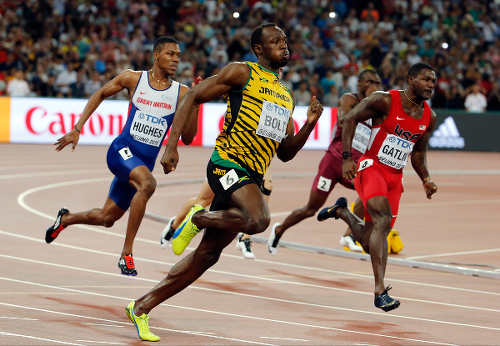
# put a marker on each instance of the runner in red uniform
(402, 123)
(330, 167)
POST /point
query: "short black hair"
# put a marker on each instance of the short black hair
(160, 41)
(417, 68)
(362, 74)
(257, 34)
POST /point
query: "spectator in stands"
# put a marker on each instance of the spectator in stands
(18, 86)
(302, 95)
(475, 101)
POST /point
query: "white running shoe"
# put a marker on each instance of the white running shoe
(349, 243)
(245, 246)
(167, 233)
(272, 242)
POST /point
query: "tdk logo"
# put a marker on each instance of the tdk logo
(447, 136)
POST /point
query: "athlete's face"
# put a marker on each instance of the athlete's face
(275, 46)
(423, 84)
(369, 83)
(167, 57)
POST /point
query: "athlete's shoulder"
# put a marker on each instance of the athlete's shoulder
(130, 76)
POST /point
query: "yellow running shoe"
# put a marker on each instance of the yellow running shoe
(396, 242)
(185, 232)
(141, 324)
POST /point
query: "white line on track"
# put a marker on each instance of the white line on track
(23, 204)
(246, 276)
(284, 339)
(298, 324)
(38, 339)
(101, 342)
(19, 318)
(103, 324)
(288, 301)
(113, 321)
(458, 253)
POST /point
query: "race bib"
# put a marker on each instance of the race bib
(125, 153)
(229, 179)
(273, 121)
(324, 184)
(394, 151)
(365, 164)
(148, 129)
(361, 137)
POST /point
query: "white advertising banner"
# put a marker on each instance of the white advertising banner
(44, 120)
(213, 121)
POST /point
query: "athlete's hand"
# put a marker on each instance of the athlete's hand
(430, 188)
(72, 137)
(169, 160)
(348, 168)
(314, 111)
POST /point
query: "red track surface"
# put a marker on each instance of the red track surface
(71, 292)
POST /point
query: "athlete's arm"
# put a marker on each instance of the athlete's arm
(290, 145)
(419, 158)
(191, 125)
(233, 76)
(346, 103)
(375, 106)
(126, 79)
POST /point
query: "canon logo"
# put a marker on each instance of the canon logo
(39, 121)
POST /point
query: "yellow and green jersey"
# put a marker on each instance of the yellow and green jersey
(255, 121)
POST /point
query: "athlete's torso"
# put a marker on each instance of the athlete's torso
(150, 114)
(256, 120)
(392, 141)
(359, 141)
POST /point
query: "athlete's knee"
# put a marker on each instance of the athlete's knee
(257, 224)
(148, 187)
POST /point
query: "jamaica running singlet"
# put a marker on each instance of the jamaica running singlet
(256, 120)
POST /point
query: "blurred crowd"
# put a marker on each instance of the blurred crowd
(69, 48)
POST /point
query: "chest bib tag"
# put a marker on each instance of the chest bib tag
(273, 121)
(148, 129)
(394, 151)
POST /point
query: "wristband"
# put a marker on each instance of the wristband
(426, 180)
(346, 154)
(76, 129)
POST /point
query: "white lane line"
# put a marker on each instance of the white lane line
(246, 276)
(19, 318)
(284, 339)
(458, 253)
(217, 313)
(258, 297)
(120, 322)
(48, 174)
(101, 342)
(22, 196)
(38, 339)
(103, 324)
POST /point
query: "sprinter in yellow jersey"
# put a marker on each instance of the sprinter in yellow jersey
(258, 125)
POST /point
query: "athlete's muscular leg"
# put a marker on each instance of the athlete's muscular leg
(316, 201)
(249, 215)
(358, 210)
(381, 215)
(204, 198)
(105, 216)
(187, 270)
(145, 184)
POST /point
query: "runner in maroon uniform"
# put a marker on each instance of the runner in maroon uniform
(402, 125)
(330, 167)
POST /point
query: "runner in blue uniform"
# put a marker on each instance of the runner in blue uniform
(131, 156)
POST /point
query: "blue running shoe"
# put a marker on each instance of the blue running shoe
(385, 302)
(329, 212)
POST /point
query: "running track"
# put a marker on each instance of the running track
(70, 292)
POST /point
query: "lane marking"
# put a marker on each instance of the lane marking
(38, 338)
(119, 322)
(458, 253)
(284, 339)
(246, 276)
(213, 312)
(101, 342)
(19, 318)
(103, 324)
(258, 297)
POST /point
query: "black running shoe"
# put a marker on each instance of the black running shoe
(53, 231)
(385, 302)
(329, 212)
(127, 266)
